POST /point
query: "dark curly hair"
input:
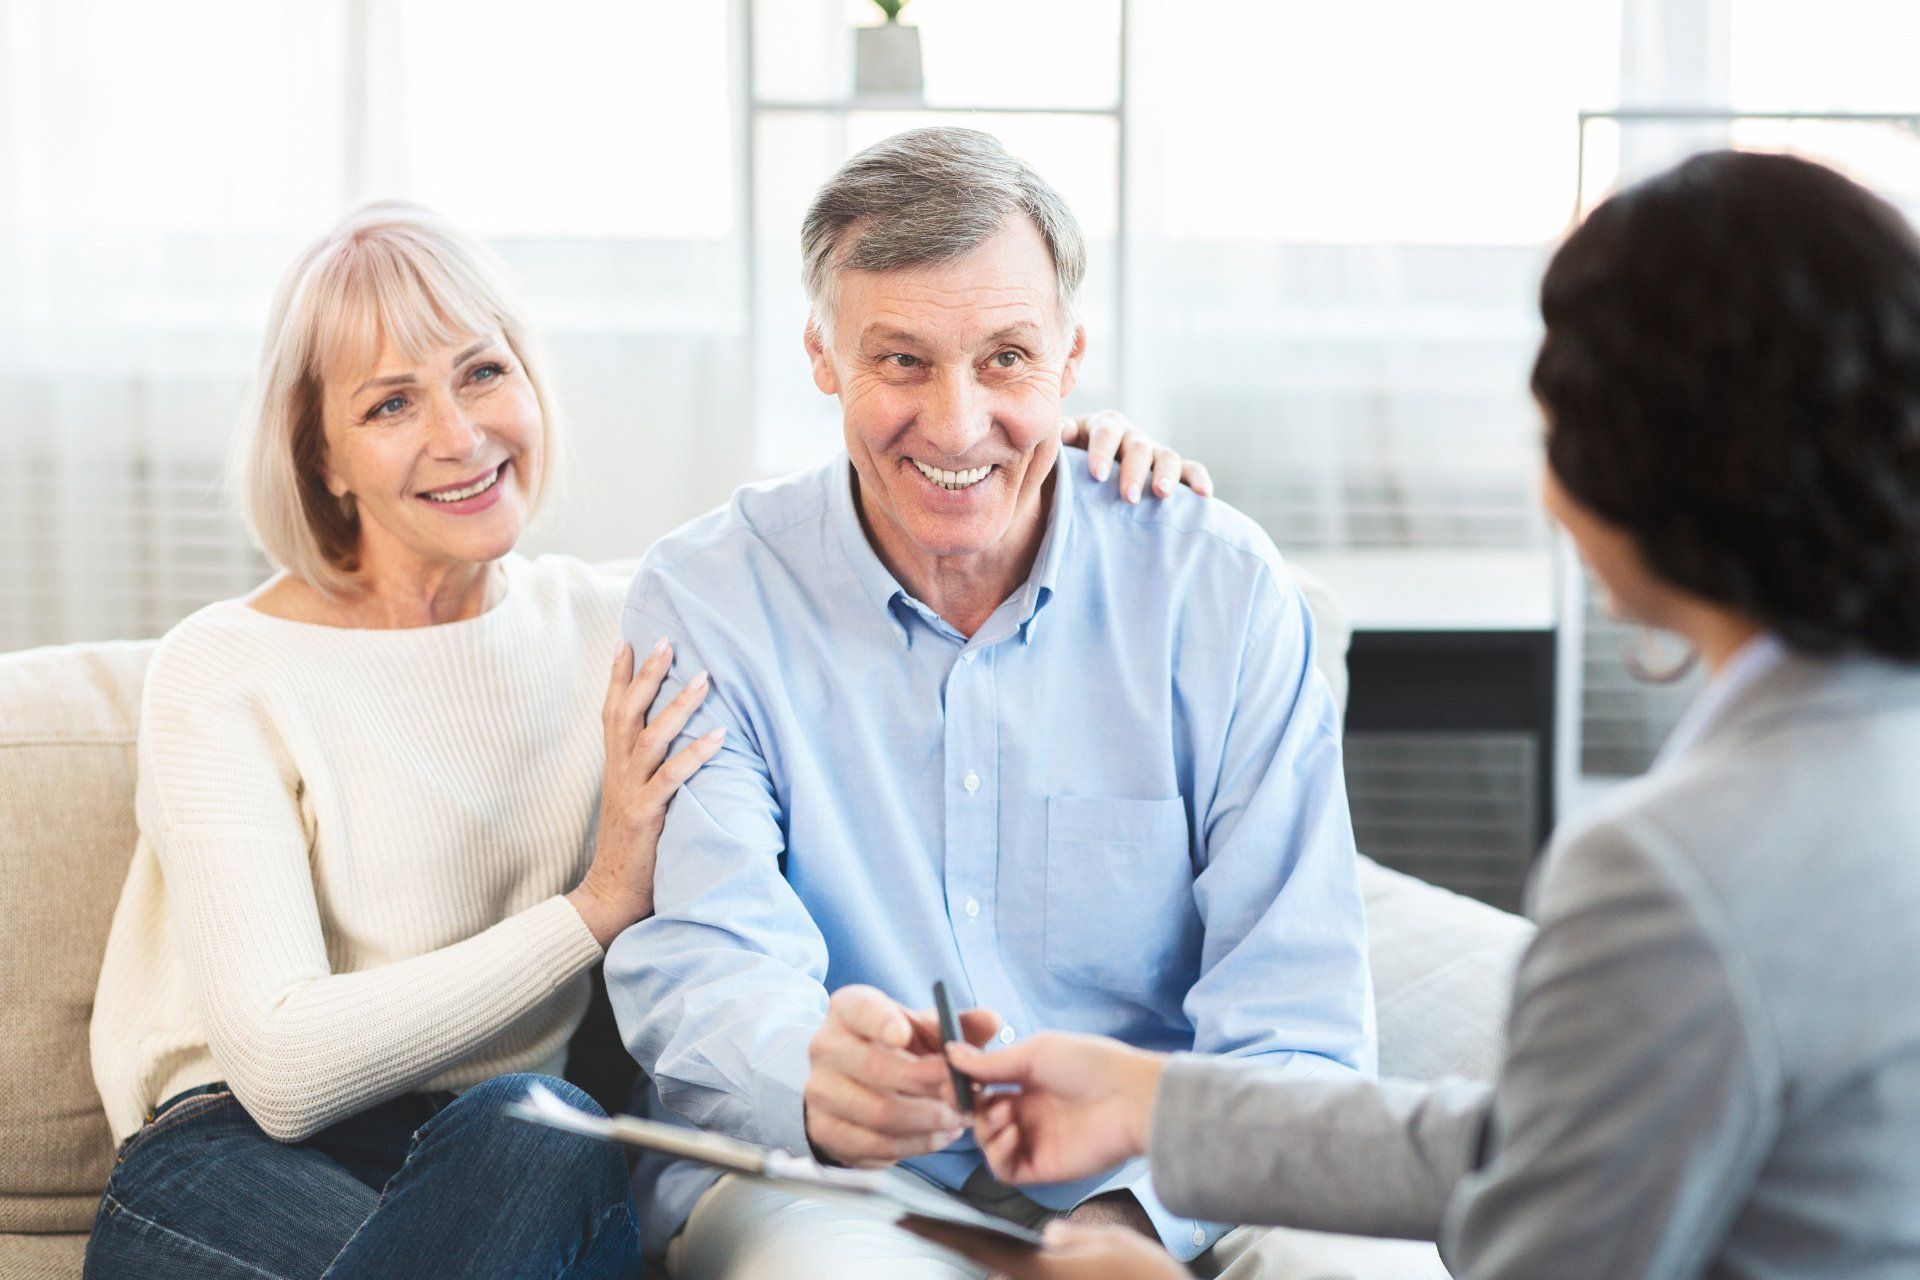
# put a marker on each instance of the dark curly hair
(1731, 373)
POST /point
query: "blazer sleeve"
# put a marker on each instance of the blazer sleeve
(1628, 1124)
(1233, 1142)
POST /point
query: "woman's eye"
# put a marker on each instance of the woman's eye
(387, 408)
(488, 372)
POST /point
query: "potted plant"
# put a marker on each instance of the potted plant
(886, 58)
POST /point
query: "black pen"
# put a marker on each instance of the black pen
(950, 1034)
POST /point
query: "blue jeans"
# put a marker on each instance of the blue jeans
(427, 1185)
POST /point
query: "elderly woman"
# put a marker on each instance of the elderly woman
(1713, 1064)
(392, 810)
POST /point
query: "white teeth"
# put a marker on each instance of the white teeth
(477, 487)
(952, 479)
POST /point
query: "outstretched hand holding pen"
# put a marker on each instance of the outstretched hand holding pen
(1084, 1104)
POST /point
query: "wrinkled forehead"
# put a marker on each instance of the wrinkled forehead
(1006, 283)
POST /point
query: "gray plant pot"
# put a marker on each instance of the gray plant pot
(886, 61)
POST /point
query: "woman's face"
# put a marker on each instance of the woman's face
(440, 454)
(1630, 591)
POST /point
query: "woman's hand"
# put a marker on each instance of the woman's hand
(1072, 1252)
(1084, 1104)
(1108, 433)
(635, 787)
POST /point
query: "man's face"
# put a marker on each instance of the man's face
(950, 379)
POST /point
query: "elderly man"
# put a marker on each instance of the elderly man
(983, 724)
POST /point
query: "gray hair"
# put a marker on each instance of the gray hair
(928, 196)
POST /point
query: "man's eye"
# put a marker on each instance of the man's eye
(901, 360)
(1005, 359)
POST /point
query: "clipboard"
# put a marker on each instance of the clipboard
(870, 1192)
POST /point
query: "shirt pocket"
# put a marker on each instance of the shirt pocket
(1119, 913)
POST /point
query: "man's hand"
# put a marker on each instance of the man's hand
(1084, 1104)
(879, 1090)
(1073, 1252)
(1108, 434)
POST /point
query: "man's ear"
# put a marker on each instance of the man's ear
(1070, 371)
(825, 376)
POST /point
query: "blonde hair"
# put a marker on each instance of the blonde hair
(390, 272)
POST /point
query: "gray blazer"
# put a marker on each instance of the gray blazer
(1713, 1056)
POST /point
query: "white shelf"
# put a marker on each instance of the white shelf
(1440, 590)
(878, 103)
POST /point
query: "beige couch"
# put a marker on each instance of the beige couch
(1442, 963)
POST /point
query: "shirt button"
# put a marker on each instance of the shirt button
(1006, 1035)
(971, 782)
(969, 656)
(1199, 1236)
(973, 907)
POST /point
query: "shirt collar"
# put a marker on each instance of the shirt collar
(1038, 588)
(875, 582)
(1748, 665)
(879, 585)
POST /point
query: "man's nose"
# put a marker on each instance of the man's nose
(957, 414)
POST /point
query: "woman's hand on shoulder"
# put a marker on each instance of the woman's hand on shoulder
(638, 781)
(1107, 434)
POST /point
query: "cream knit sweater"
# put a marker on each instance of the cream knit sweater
(352, 846)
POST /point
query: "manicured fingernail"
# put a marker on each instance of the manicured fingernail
(1133, 494)
(714, 735)
(1160, 488)
(1106, 468)
(698, 682)
(622, 649)
(659, 647)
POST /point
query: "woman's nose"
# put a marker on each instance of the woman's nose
(454, 435)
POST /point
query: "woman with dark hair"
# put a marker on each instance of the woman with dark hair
(1713, 1063)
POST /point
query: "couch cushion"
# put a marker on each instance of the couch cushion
(67, 723)
(42, 1257)
(1443, 968)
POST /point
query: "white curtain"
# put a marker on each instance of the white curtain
(161, 164)
(1336, 216)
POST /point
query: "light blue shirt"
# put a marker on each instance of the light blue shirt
(1117, 808)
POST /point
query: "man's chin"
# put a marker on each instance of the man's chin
(942, 534)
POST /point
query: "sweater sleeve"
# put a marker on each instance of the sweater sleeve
(302, 1046)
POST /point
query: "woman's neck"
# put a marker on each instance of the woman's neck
(391, 595)
(1716, 632)
(428, 595)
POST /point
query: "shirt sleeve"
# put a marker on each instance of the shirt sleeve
(301, 1045)
(1631, 1118)
(720, 991)
(1278, 888)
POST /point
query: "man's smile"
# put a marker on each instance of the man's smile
(952, 480)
